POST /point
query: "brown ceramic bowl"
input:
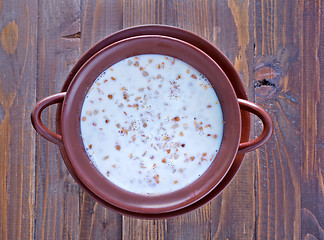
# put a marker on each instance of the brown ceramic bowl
(209, 49)
(87, 172)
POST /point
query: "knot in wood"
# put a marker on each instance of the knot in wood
(266, 81)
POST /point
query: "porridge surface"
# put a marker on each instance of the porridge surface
(151, 124)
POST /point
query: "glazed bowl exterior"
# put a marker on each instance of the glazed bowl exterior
(150, 45)
(70, 124)
(209, 49)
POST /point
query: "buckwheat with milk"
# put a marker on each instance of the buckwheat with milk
(151, 124)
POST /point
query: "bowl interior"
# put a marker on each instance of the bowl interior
(88, 173)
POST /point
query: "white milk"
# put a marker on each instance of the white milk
(151, 124)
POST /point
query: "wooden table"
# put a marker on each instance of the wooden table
(277, 47)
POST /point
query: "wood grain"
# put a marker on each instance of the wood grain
(17, 95)
(144, 229)
(193, 16)
(278, 163)
(143, 12)
(311, 120)
(277, 48)
(187, 15)
(233, 213)
(138, 13)
(98, 20)
(57, 195)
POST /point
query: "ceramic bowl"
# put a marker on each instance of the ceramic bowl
(85, 170)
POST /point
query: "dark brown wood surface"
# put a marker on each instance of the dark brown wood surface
(277, 47)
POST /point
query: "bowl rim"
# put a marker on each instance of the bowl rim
(208, 48)
(93, 179)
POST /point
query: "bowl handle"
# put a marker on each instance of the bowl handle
(37, 121)
(267, 126)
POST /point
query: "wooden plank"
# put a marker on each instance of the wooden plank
(138, 13)
(200, 17)
(18, 30)
(312, 119)
(143, 12)
(193, 16)
(178, 13)
(57, 195)
(193, 225)
(98, 222)
(277, 90)
(98, 20)
(233, 212)
(143, 229)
